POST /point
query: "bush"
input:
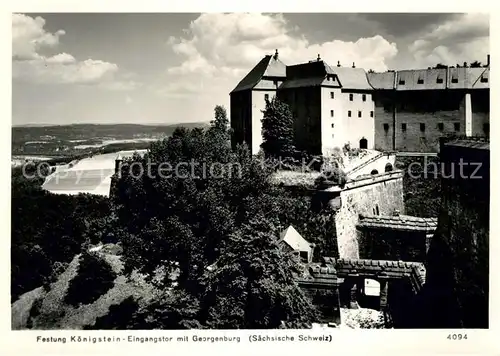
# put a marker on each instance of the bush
(332, 177)
(95, 277)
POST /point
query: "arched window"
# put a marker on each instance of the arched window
(374, 172)
(388, 167)
(363, 143)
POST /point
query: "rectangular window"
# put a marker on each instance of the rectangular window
(439, 80)
(371, 113)
(422, 127)
(402, 82)
(403, 127)
(266, 97)
(332, 95)
(454, 80)
(351, 97)
(420, 81)
(386, 127)
(333, 135)
(457, 126)
(275, 82)
(331, 113)
(349, 113)
(364, 97)
(359, 113)
(441, 126)
(484, 80)
(333, 126)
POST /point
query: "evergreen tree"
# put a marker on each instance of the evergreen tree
(277, 130)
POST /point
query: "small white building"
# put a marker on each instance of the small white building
(293, 241)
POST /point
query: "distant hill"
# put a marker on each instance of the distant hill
(63, 135)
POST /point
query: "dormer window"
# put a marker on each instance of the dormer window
(420, 81)
(484, 79)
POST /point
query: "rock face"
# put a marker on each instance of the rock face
(458, 261)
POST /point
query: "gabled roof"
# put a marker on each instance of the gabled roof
(381, 80)
(400, 222)
(293, 239)
(352, 78)
(269, 66)
(319, 73)
(479, 77)
(424, 79)
(431, 79)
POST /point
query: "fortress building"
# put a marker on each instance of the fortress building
(333, 105)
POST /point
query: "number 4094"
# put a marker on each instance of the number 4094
(457, 337)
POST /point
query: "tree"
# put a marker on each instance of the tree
(46, 228)
(277, 130)
(371, 71)
(440, 66)
(197, 217)
(475, 64)
(253, 284)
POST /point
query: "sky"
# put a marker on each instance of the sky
(172, 68)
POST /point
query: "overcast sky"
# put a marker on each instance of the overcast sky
(169, 68)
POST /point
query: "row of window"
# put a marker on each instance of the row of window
(332, 96)
(349, 113)
(440, 80)
(351, 96)
(440, 127)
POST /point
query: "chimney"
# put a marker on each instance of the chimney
(338, 63)
(276, 55)
(396, 212)
(319, 58)
(465, 65)
(353, 65)
(488, 60)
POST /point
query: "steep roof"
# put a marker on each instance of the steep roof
(293, 239)
(381, 80)
(431, 79)
(425, 79)
(269, 66)
(352, 78)
(302, 82)
(320, 73)
(400, 222)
